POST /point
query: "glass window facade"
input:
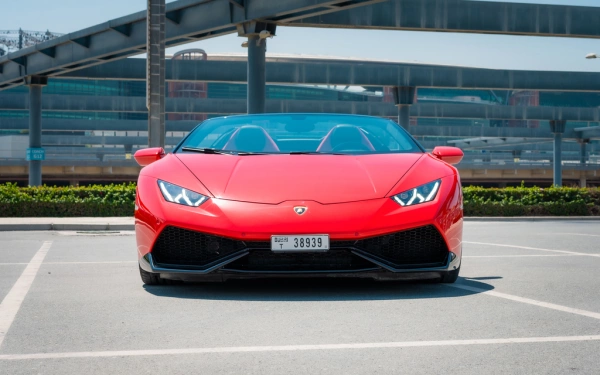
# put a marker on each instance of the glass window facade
(89, 88)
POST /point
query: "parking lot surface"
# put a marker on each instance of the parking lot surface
(527, 301)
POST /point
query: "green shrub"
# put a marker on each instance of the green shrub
(522, 201)
(46, 201)
(118, 200)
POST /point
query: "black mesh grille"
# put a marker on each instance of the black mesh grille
(332, 260)
(424, 245)
(419, 246)
(258, 244)
(190, 248)
(342, 244)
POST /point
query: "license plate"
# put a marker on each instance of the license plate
(300, 243)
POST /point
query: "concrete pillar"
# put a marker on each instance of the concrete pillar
(257, 34)
(583, 151)
(583, 181)
(35, 83)
(558, 128)
(257, 74)
(404, 116)
(404, 97)
(155, 72)
(557, 168)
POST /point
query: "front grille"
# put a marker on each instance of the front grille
(332, 260)
(186, 247)
(422, 246)
(258, 244)
(419, 246)
(336, 244)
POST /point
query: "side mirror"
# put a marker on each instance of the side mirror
(451, 155)
(148, 156)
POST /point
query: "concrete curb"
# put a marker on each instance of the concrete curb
(532, 218)
(17, 227)
(66, 227)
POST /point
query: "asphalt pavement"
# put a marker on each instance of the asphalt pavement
(527, 302)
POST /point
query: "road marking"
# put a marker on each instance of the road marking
(532, 248)
(292, 348)
(529, 301)
(13, 300)
(99, 262)
(572, 234)
(520, 256)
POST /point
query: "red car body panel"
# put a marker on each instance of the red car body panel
(273, 179)
(252, 197)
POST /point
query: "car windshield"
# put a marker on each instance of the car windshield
(299, 133)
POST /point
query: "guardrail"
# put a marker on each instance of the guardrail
(109, 159)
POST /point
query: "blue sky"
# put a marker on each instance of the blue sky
(491, 51)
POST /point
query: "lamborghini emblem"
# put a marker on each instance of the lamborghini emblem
(300, 210)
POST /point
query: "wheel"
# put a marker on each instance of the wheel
(149, 278)
(450, 276)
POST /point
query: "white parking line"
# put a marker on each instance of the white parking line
(532, 248)
(292, 348)
(547, 305)
(520, 256)
(13, 300)
(99, 262)
(572, 234)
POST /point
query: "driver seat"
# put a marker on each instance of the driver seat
(251, 138)
(341, 134)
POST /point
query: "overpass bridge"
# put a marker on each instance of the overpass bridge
(289, 69)
(193, 20)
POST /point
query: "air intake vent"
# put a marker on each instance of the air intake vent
(179, 246)
(419, 246)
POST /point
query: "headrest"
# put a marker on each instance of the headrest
(251, 138)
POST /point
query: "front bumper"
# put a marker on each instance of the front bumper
(416, 253)
(350, 224)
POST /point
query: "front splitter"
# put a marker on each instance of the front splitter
(218, 271)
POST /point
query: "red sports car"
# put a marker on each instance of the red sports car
(298, 195)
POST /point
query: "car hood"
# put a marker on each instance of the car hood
(273, 179)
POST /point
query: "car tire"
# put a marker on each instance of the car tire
(149, 278)
(450, 276)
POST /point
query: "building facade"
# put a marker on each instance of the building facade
(113, 148)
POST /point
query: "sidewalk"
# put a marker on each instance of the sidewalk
(66, 223)
(127, 223)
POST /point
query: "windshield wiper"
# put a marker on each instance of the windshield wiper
(315, 153)
(222, 152)
(205, 150)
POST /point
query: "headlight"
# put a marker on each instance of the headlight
(179, 195)
(420, 194)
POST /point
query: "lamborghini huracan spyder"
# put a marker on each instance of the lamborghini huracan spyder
(299, 195)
